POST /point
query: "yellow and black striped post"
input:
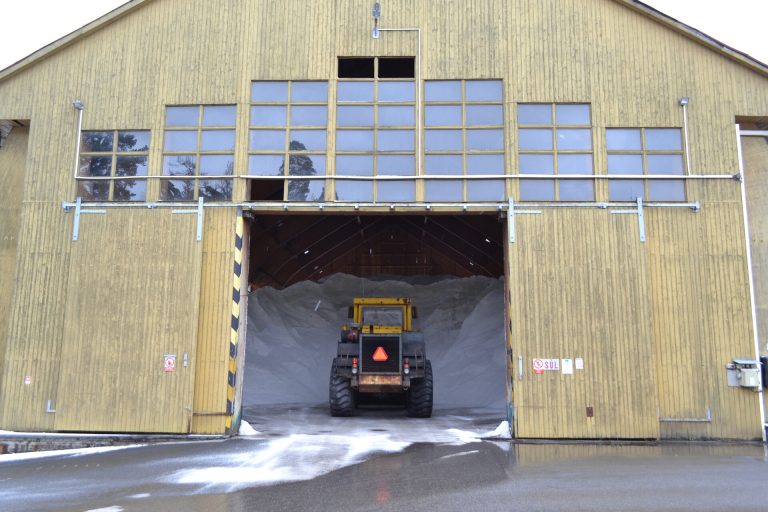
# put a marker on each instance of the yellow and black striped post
(235, 325)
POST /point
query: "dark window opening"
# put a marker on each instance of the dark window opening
(267, 190)
(356, 67)
(398, 67)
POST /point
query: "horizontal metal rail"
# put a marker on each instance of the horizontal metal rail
(651, 177)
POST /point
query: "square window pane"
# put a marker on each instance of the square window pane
(354, 140)
(306, 165)
(532, 114)
(93, 190)
(488, 140)
(354, 190)
(360, 92)
(485, 164)
(180, 141)
(572, 114)
(444, 190)
(485, 190)
(95, 166)
(577, 190)
(535, 139)
(269, 116)
(396, 165)
(442, 115)
(219, 115)
(177, 190)
(483, 90)
(130, 190)
(217, 165)
(397, 116)
(306, 190)
(625, 190)
(101, 142)
(574, 164)
(131, 166)
(397, 190)
(309, 92)
(442, 90)
(179, 165)
(574, 139)
(443, 140)
(396, 140)
(485, 115)
(537, 190)
(182, 116)
(666, 190)
(266, 165)
(215, 190)
(130, 141)
(665, 164)
(625, 164)
(537, 164)
(623, 139)
(218, 140)
(309, 116)
(443, 164)
(269, 92)
(267, 140)
(354, 165)
(354, 116)
(308, 140)
(663, 139)
(397, 92)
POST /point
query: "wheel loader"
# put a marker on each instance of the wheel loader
(379, 353)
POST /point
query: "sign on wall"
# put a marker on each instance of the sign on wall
(546, 365)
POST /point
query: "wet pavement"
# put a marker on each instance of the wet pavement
(304, 460)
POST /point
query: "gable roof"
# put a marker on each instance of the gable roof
(637, 6)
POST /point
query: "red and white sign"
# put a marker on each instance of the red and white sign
(546, 365)
(27, 380)
(170, 364)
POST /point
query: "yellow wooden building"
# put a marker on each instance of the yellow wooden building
(616, 158)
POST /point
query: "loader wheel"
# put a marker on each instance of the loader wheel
(340, 395)
(418, 402)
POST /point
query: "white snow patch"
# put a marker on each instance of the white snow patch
(460, 454)
(465, 436)
(246, 429)
(139, 496)
(75, 452)
(107, 509)
(501, 432)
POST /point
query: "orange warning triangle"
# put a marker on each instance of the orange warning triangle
(380, 355)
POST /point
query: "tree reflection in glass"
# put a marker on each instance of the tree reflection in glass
(303, 165)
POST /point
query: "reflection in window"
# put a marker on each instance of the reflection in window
(645, 152)
(555, 139)
(198, 141)
(107, 155)
(289, 124)
(464, 136)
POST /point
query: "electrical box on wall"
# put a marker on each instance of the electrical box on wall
(744, 373)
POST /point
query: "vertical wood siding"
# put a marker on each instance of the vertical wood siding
(13, 159)
(580, 281)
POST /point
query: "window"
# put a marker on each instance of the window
(376, 130)
(289, 123)
(555, 139)
(198, 153)
(113, 165)
(645, 152)
(464, 137)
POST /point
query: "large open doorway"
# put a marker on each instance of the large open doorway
(305, 271)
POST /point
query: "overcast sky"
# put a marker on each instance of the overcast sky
(27, 25)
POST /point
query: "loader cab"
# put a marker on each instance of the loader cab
(383, 315)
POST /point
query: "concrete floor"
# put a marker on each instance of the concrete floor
(305, 460)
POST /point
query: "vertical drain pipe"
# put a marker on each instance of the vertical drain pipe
(745, 215)
(684, 103)
(79, 107)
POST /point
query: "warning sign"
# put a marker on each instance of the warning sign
(380, 355)
(546, 365)
(27, 380)
(170, 363)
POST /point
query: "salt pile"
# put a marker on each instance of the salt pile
(292, 336)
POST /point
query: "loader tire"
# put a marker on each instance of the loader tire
(418, 402)
(341, 396)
